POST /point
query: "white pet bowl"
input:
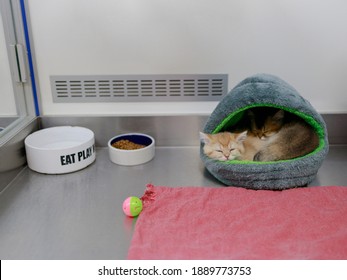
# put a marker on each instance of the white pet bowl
(132, 157)
(61, 149)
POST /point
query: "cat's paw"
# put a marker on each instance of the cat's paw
(258, 157)
(263, 156)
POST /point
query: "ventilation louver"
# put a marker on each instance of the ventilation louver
(138, 88)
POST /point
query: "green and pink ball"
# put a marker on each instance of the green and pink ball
(132, 206)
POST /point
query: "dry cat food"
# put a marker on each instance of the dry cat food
(127, 145)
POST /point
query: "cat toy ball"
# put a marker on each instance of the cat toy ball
(132, 206)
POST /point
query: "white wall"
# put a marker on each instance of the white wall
(303, 42)
(7, 101)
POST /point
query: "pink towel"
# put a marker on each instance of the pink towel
(236, 223)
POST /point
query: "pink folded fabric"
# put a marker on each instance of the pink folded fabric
(236, 223)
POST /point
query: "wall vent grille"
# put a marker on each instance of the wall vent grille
(139, 88)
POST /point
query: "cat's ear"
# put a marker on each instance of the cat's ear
(204, 138)
(278, 117)
(241, 137)
(251, 117)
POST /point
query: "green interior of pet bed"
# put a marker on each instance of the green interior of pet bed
(237, 115)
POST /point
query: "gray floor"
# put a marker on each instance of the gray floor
(79, 215)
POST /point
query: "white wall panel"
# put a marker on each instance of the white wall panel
(304, 42)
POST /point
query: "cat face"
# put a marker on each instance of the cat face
(223, 146)
(265, 126)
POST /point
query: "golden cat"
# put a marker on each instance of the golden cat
(230, 146)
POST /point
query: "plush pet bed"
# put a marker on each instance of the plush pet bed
(265, 90)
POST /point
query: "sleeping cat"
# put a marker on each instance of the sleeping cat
(286, 135)
(273, 135)
(230, 146)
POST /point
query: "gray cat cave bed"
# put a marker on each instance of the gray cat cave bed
(265, 91)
